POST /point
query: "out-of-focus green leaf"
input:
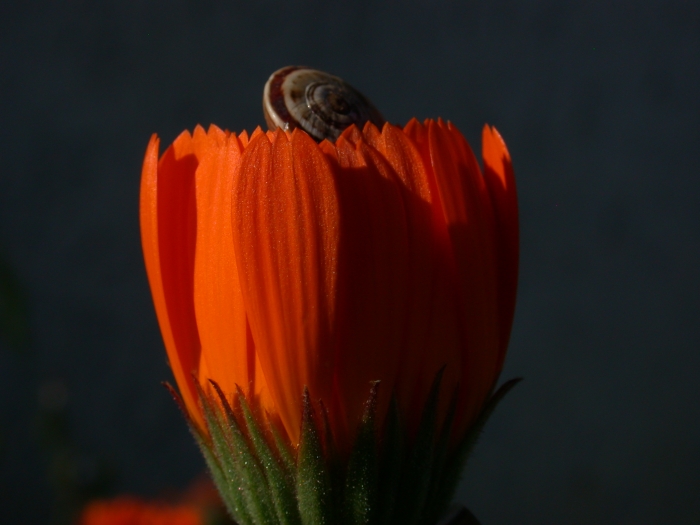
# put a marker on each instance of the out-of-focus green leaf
(14, 323)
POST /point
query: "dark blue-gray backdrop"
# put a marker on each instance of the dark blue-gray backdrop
(599, 105)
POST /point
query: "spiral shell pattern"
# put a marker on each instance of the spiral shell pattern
(320, 104)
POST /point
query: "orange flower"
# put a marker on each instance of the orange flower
(277, 264)
(131, 511)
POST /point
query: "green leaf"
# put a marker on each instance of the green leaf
(334, 464)
(458, 460)
(437, 503)
(416, 479)
(391, 464)
(237, 460)
(460, 516)
(262, 484)
(281, 483)
(232, 497)
(361, 481)
(313, 483)
(14, 318)
(284, 453)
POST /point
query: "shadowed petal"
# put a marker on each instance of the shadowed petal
(168, 230)
(469, 217)
(285, 227)
(500, 180)
(373, 282)
(432, 336)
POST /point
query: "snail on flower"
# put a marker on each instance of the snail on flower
(316, 102)
(336, 297)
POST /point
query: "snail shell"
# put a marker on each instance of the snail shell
(318, 103)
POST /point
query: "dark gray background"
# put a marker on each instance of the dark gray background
(598, 103)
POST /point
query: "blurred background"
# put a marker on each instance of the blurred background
(599, 105)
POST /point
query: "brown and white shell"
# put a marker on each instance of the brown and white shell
(316, 102)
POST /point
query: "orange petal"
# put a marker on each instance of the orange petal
(471, 228)
(351, 134)
(371, 134)
(373, 282)
(257, 131)
(221, 318)
(285, 229)
(167, 215)
(243, 138)
(500, 180)
(405, 159)
(432, 334)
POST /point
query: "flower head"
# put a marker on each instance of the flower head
(280, 265)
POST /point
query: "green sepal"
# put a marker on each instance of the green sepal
(220, 447)
(415, 484)
(313, 481)
(280, 481)
(391, 464)
(361, 482)
(452, 473)
(285, 455)
(436, 504)
(231, 448)
(334, 464)
(263, 482)
(460, 516)
(232, 497)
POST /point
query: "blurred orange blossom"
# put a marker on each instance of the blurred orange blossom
(199, 504)
(277, 263)
(127, 510)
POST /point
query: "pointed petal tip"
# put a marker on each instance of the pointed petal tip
(492, 136)
(352, 134)
(413, 122)
(150, 159)
(496, 155)
(256, 132)
(300, 137)
(371, 128)
(256, 140)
